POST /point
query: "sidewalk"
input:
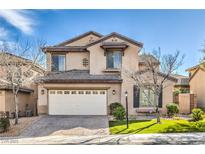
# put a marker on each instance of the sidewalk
(138, 139)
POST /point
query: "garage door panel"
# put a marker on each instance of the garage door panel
(78, 104)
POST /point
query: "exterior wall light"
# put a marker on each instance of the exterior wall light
(113, 92)
(42, 92)
(126, 93)
(126, 101)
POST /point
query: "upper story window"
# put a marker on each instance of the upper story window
(58, 62)
(114, 59)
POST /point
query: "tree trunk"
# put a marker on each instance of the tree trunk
(158, 115)
(16, 108)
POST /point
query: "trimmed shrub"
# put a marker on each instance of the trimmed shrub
(197, 114)
(172, 109)
(119, 113)
(177, 92)
(113, 106)
(4, 124)
(180, 91)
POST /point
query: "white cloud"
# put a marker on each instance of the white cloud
(3, 33)
(19, 18)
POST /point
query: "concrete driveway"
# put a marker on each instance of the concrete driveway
(68, 125)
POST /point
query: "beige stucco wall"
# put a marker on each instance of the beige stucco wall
(98, 59)
(2, 100)
(42, 102)
(48, 61)
(83, 41)
(167, 94)
(197, 86)
(43, 99)
(129, 63)
(74, 60)
(23, 99)
(184, 103)
(7, 101)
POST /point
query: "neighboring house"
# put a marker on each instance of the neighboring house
(27, 93)
(85, 75)
(197, 83)
(182, 83)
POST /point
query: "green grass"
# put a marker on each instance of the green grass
(166, 126)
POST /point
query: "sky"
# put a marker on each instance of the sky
(171, 30)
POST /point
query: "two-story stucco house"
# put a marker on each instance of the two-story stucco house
(197, 83)
(84, 76)
(28, 93)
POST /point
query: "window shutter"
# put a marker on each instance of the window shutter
(160, 98)
(136, 92)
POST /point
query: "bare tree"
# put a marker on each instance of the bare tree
(17, 59)
(157, 70)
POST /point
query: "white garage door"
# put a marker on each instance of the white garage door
(77, 102)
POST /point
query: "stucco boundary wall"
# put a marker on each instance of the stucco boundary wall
(186, 103)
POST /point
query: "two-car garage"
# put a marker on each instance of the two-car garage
(77, 102)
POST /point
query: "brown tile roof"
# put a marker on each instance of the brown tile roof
(108, 45)
(22, 89)
(5, 86)
(66, 48)
(79, 37)
(181, 79)
(143, 57)
(78, 76)
(159, 73)
(62, 47)
(38, 67)
(202, 65)
(114, 34)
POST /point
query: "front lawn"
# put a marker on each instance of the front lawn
(150, 126)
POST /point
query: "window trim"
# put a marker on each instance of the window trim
(113, 50)
(140, 98)
(58, 54)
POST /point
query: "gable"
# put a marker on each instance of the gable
(115, 37)
(198, 74)
(82, 39)
(191, 69)
(11, 57)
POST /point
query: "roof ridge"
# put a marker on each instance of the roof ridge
(115, 34)
(78, 37)
(26, 60)
(198, 65)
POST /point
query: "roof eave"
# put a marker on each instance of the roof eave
(25, 90)
(57, 49)
(118, 35)
(79, 37)
(82, 81)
